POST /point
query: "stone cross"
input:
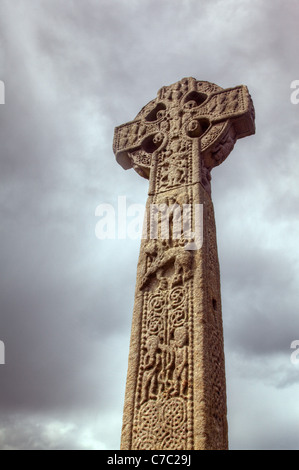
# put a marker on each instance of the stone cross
(176, 392)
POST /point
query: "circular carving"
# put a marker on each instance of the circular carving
(174, 414)
(197, 127)
(152, 142)
(193, 126)
(148, 415)
(154, 323)
(158, 138)
(156, 112)
(190, 104)
(177, 296)
(178, 317)
(156, 303)
(161, 114)
(171, 442)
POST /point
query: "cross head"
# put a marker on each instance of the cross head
(187, 114)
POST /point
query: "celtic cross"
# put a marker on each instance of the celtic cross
(176, 394)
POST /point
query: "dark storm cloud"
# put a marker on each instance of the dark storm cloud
(73, 71)
(56, 311)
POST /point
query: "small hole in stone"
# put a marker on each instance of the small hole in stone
(214, 304)
(197, 127)
(152, 142)
(196, 97)
(157, 113)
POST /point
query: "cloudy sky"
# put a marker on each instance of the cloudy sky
(74, 70)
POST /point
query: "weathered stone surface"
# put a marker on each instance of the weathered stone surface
(175, 393)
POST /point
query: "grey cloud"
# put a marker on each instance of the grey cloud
(72, 72)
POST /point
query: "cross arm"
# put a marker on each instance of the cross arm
(234, 105)
(134, 141)
(229, 115)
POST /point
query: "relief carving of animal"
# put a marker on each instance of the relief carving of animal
(178, 257)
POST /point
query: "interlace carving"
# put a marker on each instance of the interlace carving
(164, 375)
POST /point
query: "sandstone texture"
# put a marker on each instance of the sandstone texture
(176, 392)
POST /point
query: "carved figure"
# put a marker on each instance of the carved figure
(179, 361)
(179, 257)
(152, 361)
